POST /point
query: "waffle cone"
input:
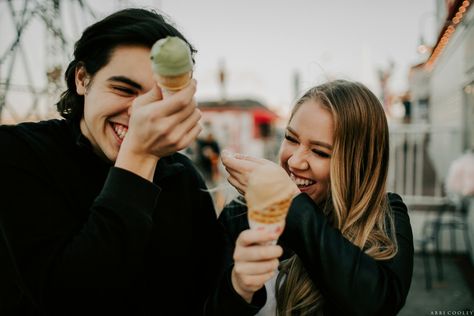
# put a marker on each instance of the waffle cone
(174, 83)
(272, 214)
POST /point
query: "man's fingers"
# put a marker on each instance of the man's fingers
(180, 100)
(190, 136)
(151, 96)
(182, 128)
(184, 114)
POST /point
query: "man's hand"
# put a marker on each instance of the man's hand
(159, 127)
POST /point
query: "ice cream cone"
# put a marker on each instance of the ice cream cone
(269, 194)
(172, 63)
(173, 83)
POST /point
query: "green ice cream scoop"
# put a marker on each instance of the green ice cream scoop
(171, 56)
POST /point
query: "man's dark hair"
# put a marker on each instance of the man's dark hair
(96, 45)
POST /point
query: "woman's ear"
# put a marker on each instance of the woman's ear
(81, 78)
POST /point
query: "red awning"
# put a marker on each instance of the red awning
(263, 116)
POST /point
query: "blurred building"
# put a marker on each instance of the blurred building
(442, 107)
(442, 87)
(245, 126)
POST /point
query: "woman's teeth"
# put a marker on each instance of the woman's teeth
(120, 130)
(301, 182)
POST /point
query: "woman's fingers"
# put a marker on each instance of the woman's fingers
(238, 164)
(253, 245)
(236, 184)
(255, 261)
(256, 268)
(251, 158)
(258, 252)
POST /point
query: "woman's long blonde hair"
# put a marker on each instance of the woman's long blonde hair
(357, 202)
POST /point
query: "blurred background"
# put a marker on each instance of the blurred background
(256, 57)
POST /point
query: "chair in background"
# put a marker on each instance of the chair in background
(446, 214)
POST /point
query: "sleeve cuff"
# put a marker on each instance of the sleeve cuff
(241, 306)
(128, 190)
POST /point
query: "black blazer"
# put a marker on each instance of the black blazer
(351, 282)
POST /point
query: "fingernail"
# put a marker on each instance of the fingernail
(227, 153)
(274, 236)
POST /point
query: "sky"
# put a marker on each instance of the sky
(263, 43)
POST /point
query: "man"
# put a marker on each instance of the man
(99, 214)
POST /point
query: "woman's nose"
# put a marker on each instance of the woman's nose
(298, 160)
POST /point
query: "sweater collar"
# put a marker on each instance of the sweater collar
(167, 166)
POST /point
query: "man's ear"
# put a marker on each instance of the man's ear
(81, 78)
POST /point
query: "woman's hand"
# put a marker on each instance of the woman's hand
(158, 127)
(240, 167)
(255, 261)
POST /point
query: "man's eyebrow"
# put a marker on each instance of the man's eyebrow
(312, 142)
(126, 80)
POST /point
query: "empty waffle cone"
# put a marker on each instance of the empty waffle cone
(268, 195)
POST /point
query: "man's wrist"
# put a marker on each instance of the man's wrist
(143, 165)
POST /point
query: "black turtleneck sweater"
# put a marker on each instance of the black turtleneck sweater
(81, 237)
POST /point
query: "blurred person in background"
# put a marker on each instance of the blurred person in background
(208, 154)
(460, 181)
(99, 214)
(460, 178)
(347, 248)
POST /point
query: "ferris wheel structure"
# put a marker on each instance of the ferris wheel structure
(36, 43)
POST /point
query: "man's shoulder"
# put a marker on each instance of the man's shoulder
(30, 131)
(24, 138)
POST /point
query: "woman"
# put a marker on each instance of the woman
(347, 245)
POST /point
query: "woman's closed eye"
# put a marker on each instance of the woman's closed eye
(291, 139)
(321, 153)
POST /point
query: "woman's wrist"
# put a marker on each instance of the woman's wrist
(246, 295)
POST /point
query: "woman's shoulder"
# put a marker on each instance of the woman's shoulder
(396, 203)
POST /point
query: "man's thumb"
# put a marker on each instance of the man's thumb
(153, 95)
